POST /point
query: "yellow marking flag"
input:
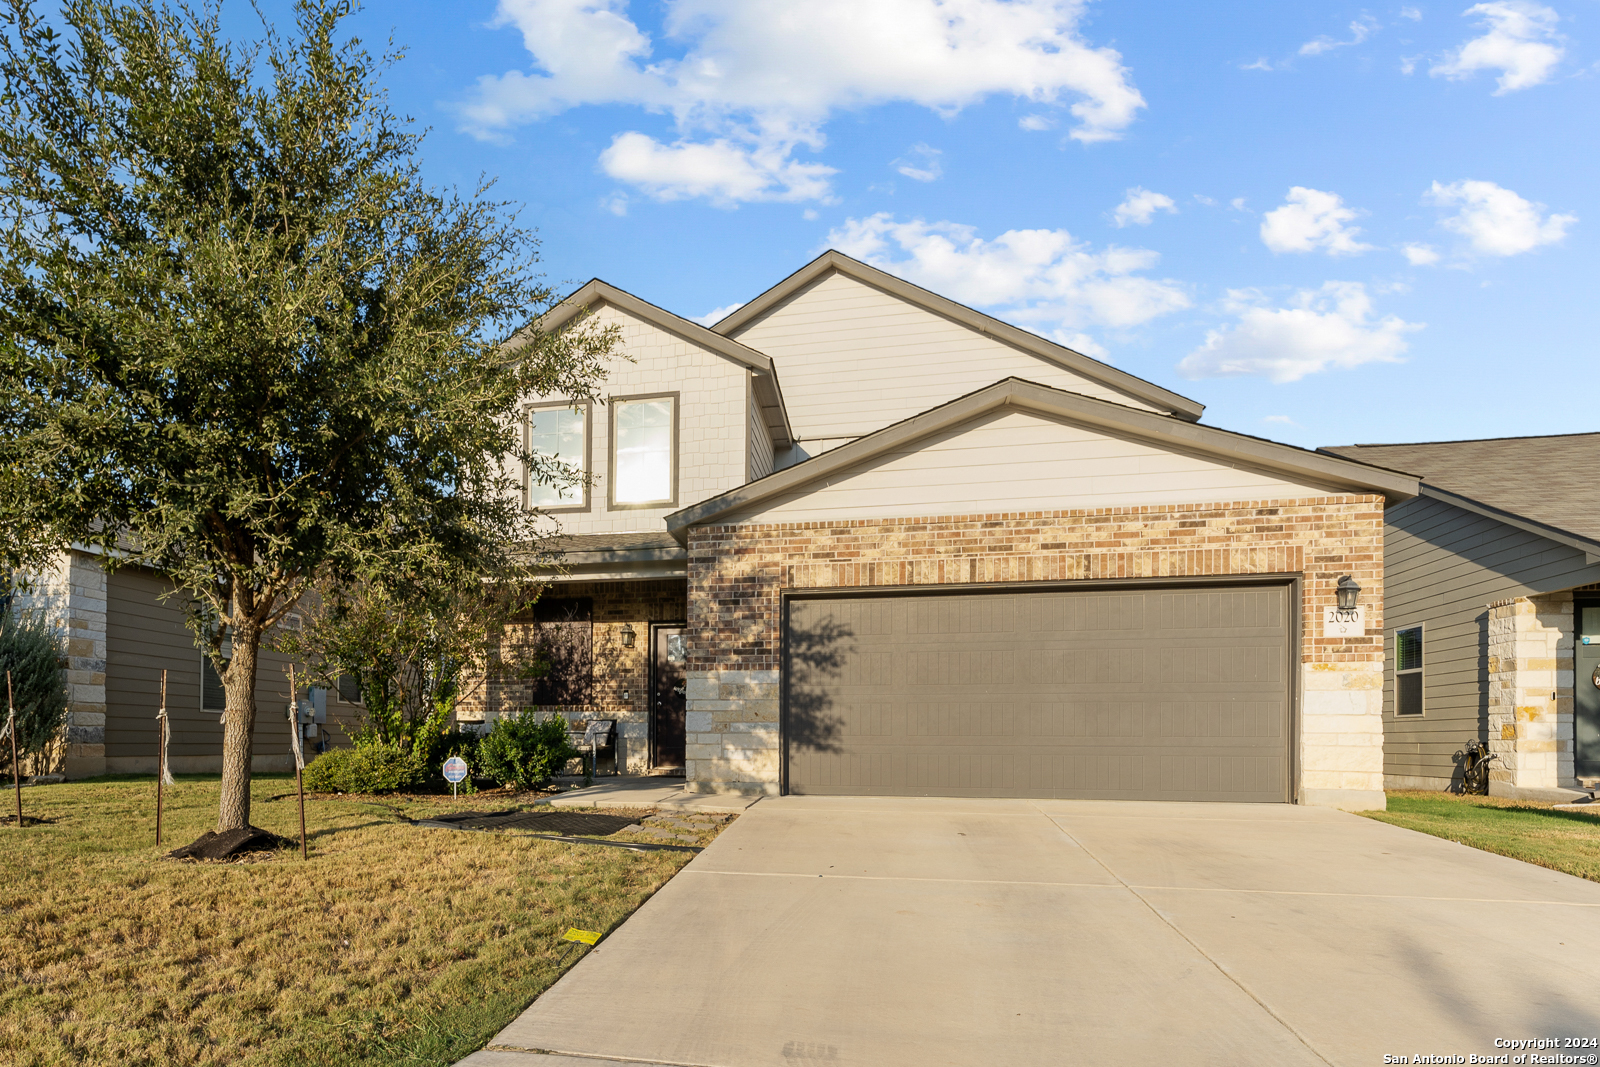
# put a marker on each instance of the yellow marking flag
(588, 937)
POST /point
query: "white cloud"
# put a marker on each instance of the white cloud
(1046, 279)
(1237, 203)
(1419, 255)
(1414, 14)
(721, 171)
(920, 163)
(1139, 206)
(711, 318)
(1408, 64)
(1282, 420)
(1496, 221)
(1360, 30)
(1520, 41)
(616, 203)
(761, 80)
(1082, 343)
(1321, 328)
(1260, 64)
(1036, 122)
(1310, 220)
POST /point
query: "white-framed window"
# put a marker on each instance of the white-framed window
(1408, 671)
(558, 433)
(644, 451)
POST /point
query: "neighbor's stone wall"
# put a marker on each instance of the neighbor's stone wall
(71, 594)
(1530, 691)
(621, 675)
(738, 573)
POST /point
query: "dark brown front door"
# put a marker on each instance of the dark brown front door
(667, 696)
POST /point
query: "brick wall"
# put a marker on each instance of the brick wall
(738, 573)
(621, 675)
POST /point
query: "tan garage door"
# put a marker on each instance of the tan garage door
(1160, 694)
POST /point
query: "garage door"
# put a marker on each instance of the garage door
(1161, 694)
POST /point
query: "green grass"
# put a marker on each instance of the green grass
(1566, 841)
(394, 945)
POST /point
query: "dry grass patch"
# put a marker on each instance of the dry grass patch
(393, 945)
(1526, 830)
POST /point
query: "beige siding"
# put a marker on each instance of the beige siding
(145, 634)
(713, 402)
(1010, 461)
(760, 451)
(853, 359)
(1443, 567)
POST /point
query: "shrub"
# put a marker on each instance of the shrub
(370, 767)
(525, 752)
(33, 654)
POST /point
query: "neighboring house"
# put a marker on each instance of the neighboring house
(1492, 607)
(122, 630)
(856, 538)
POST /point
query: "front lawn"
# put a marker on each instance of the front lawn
(1525, 830)
(394, 945)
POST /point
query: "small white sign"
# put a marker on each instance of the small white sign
(455, 769)
(1344, 622)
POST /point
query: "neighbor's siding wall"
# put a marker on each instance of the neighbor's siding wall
(714, 395)
(1010, 460)
(760, 456)
(145, 634)
(1445, 566)
(738, 573)
(853, 359)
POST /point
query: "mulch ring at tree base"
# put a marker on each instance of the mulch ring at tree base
(230, 844)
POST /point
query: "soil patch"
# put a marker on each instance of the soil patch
(27, 820)
(228, 844)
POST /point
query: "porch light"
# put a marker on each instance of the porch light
(627, 635)
(1348, 592)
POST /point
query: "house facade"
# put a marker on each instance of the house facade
(857, 538)
(1493, 613)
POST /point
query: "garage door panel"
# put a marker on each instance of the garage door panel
(1156, 694)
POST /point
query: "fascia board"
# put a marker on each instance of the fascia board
(597, 291)
(1589, 547)
(1181, 406)
(637, 555)
(1103, 414)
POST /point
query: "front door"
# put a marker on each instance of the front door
(1586, 691)
(668, 659)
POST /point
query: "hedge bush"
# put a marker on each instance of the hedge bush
(370, 767)
(33, 653)
(522, 751)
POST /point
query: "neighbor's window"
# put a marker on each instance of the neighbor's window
(1408, 671)
(560, 435)
(644, 442)
(213, 697)
(349, 690)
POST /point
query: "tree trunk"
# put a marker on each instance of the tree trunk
(238, 733)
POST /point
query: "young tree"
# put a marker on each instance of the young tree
(242, 342)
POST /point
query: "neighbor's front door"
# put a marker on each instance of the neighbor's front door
(668, 659)
(1586, 691)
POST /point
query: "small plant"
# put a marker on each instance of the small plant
(33, 654)
(370, 767)
(523, 751)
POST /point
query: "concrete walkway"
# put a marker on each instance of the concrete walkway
(893, 933)
(646, 791)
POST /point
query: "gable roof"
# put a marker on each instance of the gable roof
(596, 292)
(1032, 343)
(1545, 485)
(1158, 429)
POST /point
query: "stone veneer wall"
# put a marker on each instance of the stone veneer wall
(738, 573)
(71, 594)
(1530, 691)
(621, 675)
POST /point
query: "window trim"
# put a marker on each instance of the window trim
(1420, 671)
(611, 450)
(528, 411)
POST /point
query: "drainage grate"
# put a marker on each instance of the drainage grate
(544, 822)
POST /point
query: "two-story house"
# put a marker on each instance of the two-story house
(857, 538)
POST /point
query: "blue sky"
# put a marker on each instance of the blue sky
(1329, 223)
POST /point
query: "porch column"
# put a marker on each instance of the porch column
(1530, 691)
(71, 595)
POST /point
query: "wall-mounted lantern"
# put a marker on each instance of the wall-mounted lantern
(628, 635)
(1347, 592)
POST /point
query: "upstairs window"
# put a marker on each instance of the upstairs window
(1408, 671)
(644, 451)
(559, 433)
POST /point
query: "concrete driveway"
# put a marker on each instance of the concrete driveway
(887, 932)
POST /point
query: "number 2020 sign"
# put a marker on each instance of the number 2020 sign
(1344, 622)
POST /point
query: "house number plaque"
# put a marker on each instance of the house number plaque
(1344, 622)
